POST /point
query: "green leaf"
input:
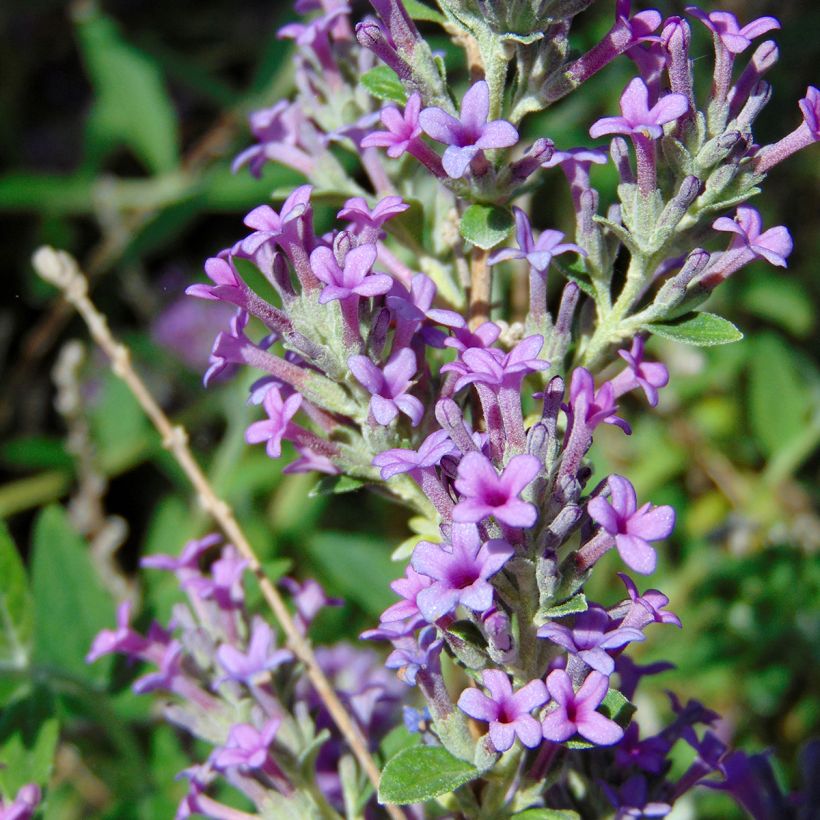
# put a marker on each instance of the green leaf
(420, 11)
(486, 225)
(384, 84)
(578, 603)
(616, 707)
(335, 485)
(71, 605)
(16, 607)
(358, 567)
(397, 739)
(422, 773)
(779, 398)
(132, 106)
(28, 740)
(699, 329)
(547, 814)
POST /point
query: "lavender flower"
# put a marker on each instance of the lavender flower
(507, 713)
(631, 528)
(431, 451)
(261, 657)
(352, 279)
(484, 492)
(649, 376)
(575, 711)
(275, 427)
(459, 571)
(270, 226)
(388, 386)
(728, 31)
(637, 118)
(24, 805)
(590, 638)
(357, 211)
(471, 134)
(247, 747)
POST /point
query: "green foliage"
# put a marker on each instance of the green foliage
(119, 73)
(698, 329)
(71, 605)
(486, 225)
(421, 773)
(16, 611)
(384, 84)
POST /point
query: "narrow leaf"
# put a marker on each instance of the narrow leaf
(486, 225)
(420, 11)
(16, 607)
(422, 773)
(699, 329)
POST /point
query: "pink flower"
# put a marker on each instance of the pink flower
(388, 387)
(637, 118)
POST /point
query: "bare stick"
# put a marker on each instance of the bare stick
(61, 270)
(480, 287)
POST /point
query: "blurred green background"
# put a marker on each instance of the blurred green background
(118, 122)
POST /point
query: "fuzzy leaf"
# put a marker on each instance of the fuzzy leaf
(486, 225)
(384, 84)
(420, 11)
(616, 707)
(16, 606)
(578, 603)
(699, 329)
(71, 605)
(421, 773)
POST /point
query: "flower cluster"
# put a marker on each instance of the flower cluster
(230, 686)
(380, 360)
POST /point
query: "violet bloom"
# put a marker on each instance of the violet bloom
(403, 129)
(270, 226)
(274, 428)
(649, 376)
(592, 407)
(247, 746)
(388, 387)
(748, 243)
(484, 492)
(637, 118)
(413, 655)
(227, 284)
(805, 134)
(430, 452)
(408, 588)
(224, 587)
(356, 210)
(353, 279)
(591, 637)
(123, 639)
(309, 599)
(460, 571)
(187, 564)
(463, 338)
(471, 134)
(646, 608)
(507, 713)
(261, 657)
(575, 711)
(497, 369)
(728, 31)
(24, 805)
(538, 252)
(632, 801)
(413, 310)
(631, 527)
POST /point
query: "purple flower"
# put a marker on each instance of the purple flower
(187, 564)
(388, 387)
(123, 640)
(724, 24)
(408, 588)
(637, 118)
(261, 657)
(497, 369)
(430, 452)
(403, 129)
(648, 754)
(538, 253)
(274, 428)
(575, 711)
(471, 134)
(166, 675)
(228, 286)
(270, 226)
(773, 245)
(459, 571)
(649, 376)
(309, 599)
(354, 279)
(646, 608)
(411, 655)
(355, 210)
(508, 714)
(591, 637)
(310, 461)
(225, 584)
(24, 805)
(246, 746)
(484, 492)
(631, 800)
(463, 338)
(631, 527)
(413, 308)
(810, 107)
(592, 407)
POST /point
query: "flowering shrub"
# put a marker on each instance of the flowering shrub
(391, 353)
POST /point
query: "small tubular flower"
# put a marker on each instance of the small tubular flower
(388, 386)
(637, 118)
